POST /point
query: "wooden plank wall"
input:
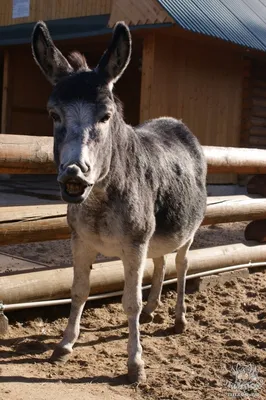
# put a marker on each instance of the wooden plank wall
(27, 90)
(54, 9)
(28, 93)
(253, 132)
(199, 84)
(140, 12)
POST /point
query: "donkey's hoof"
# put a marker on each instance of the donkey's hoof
(145, 317)
(60, 355)
(180, 326)
(136, 374)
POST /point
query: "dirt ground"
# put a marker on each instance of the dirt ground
(226, 327)
(221, 355)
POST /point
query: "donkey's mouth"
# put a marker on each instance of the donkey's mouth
(75, 188)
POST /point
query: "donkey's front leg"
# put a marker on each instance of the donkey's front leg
(134, 262)
(83, 257)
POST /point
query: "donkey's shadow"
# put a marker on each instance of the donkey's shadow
(112, 381)
(33, 345)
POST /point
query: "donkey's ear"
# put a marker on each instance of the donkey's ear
(116, 58)
(50, 60)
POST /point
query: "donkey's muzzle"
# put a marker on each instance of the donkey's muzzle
(74, 186)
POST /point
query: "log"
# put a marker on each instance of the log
(259, 83)
(259, 101)
(257, 185)
(234, 209)
(259, 91)
(21, 154)
(235, 160)
(258, 122)
(256, 230)
(109, 276)
(26, 224)
(258, 141)
(259, 112)
(258, 131)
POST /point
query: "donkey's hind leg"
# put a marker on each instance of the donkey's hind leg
(156, 289)
(181, 269)
(83, 257)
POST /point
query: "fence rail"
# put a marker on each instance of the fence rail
(20, 154)
(23, 224)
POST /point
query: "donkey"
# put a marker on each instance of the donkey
(131, 192)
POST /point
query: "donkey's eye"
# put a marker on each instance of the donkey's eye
(105, 118)
(56, 117)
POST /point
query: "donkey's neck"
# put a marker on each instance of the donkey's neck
(123, 144)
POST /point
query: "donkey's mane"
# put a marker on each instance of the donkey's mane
(78, 61)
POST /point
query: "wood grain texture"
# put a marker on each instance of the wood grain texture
(187, 83)
(54, 9)
(139, 12)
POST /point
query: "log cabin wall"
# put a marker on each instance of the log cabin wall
(201, 85)
(253, 130)
(54, 9)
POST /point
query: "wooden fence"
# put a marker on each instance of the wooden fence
(23, 224)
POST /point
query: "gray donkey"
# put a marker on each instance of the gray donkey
(131, 192)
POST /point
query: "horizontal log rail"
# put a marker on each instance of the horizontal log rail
(21, 154)
(235, 160)
(109, 276)
(25, 224)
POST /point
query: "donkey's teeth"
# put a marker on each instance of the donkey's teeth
(73, 188)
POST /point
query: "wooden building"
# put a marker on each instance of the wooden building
(204, 65)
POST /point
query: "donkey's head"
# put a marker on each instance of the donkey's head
(82, 107)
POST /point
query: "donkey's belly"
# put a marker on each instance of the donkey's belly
(161, 245)
(112, 246)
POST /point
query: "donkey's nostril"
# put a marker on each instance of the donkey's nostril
(73, 170)
(83, 166)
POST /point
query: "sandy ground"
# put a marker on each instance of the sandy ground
(222, 355)
(226, 327)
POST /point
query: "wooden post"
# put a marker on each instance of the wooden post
(147, 76)
(109, 276)
(5, 93)
(246, 103)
